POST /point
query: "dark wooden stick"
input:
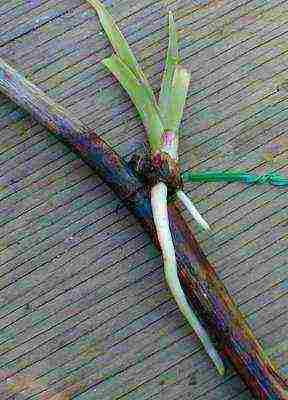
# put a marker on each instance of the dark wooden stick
(206, 293)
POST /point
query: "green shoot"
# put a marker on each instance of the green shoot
(140, 97)
(172, 59)
(174, 108)
(173, 93)
(177, 98)
(120, 45)
(131, 77)
(156, 119)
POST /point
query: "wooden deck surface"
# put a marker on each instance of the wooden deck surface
(85, 312)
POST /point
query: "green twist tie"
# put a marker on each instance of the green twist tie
(235, 176)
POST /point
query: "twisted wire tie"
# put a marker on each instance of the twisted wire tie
(235, 176)
(271, 178)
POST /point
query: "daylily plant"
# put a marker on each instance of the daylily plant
(161, 118)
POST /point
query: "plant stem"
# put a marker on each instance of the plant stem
(205, 291)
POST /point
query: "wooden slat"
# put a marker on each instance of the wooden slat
(84, 303)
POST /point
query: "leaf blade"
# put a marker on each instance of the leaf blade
(178, 94)
(120, 44)
(140, 97)
(172, 59)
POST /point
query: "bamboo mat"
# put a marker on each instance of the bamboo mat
(85, 313)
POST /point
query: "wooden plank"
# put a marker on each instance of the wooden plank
(81, 287)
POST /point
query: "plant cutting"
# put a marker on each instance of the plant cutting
(162, 121)
(155, 182)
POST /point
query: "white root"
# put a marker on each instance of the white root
(192, 209)
(160, 215)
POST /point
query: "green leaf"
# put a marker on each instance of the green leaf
(178, 94)
(172, 59)
(141, 99)
(120, 44)
(173, 91)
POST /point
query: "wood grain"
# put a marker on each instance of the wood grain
(55, 198)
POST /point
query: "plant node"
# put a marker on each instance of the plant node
(161, 167)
